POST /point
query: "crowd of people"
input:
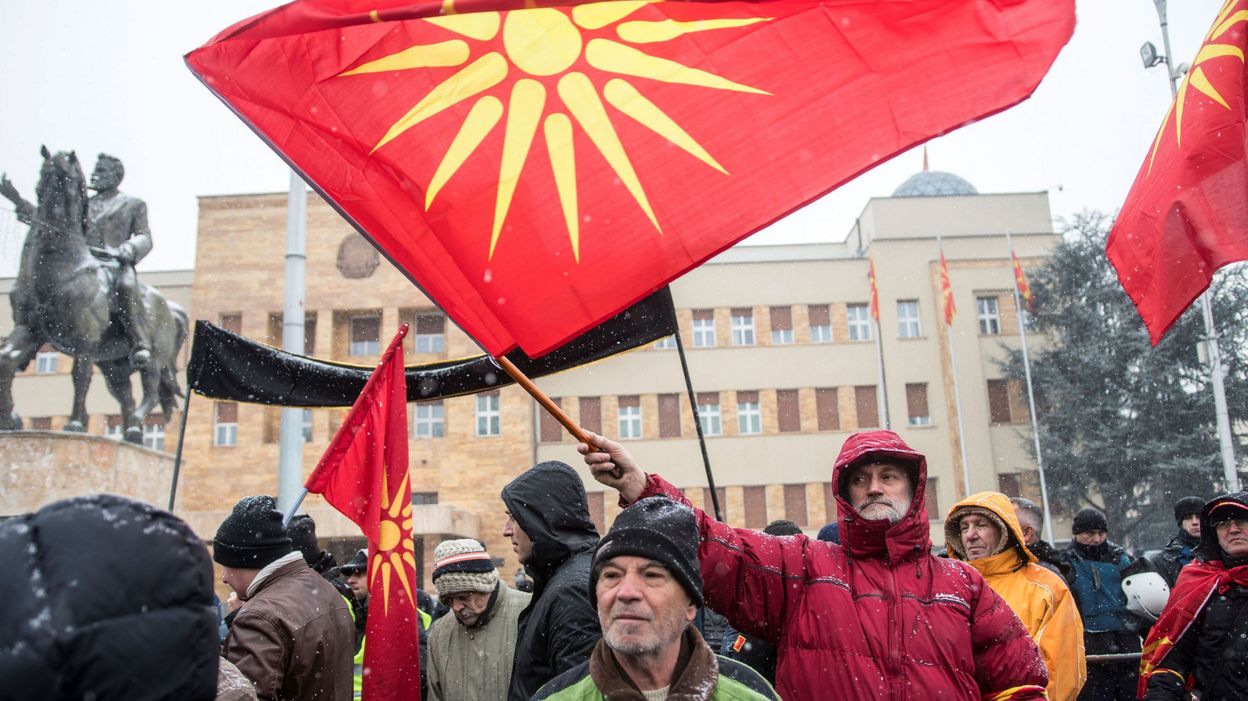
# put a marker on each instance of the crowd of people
(668, 603)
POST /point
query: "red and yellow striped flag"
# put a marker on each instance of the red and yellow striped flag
(1020, 281)
(946, 291)
(875, 292)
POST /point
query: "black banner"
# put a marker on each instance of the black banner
(227, 366)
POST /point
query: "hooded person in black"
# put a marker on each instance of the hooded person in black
(1181, 548)
(552, 532)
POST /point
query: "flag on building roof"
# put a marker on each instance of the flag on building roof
(1020, 280)
(946, 291)
(1187, 214)
(875, 292)
(534, 170)
(364, 475)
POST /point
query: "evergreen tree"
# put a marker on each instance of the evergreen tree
(1127, 427)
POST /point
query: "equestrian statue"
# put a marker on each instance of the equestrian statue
(77, 290)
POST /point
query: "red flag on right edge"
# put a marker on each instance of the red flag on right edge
(1187, 213)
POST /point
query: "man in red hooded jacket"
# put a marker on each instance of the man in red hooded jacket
(878, 617)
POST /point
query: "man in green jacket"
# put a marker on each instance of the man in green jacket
(471, 651)
(647, 584)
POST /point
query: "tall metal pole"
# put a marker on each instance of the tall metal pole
(957, 396)
(1216, 370)
(1031, 401)
(290, 460)
(879, 358)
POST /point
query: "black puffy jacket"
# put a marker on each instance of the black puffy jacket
(105, 598)
(1178, 552)
(559, 627)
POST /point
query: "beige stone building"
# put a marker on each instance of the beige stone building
(781, 347)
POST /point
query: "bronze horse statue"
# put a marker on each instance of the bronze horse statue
(64, 298)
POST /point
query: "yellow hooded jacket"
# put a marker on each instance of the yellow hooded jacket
(1040, 598)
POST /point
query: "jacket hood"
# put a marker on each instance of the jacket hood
(999, 505)
(866, 538)
(549, 504)
(1209, 550)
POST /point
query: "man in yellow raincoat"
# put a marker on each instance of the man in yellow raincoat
(984, 531)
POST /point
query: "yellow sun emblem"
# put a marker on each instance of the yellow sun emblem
(547, 42)
(394, 541)
(1196, 77)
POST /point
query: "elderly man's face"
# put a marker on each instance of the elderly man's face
(468, 605)
(1233, 536)
(980, 536)
(880, 490)
(642, 607)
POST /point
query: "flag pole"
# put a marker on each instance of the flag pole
(1031, 396)
(294, 509)
(953, 366)
(177, 460)
(697, 425)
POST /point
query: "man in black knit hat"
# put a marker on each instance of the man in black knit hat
(1181, 548)
(647, 585)
(293, 638)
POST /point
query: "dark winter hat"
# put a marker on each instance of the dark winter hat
(252, 535)
(357, 564)
(1089, 520)
(659, 529)
(1226, 509)
(1187, 506)
(302, 532)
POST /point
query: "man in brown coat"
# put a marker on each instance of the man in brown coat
(293, 637)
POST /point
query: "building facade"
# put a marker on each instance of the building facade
(781, 347)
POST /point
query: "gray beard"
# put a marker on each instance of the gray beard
(895, 514)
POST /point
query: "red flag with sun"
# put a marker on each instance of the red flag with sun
(536, 167)
(1186, 214)
(364, 475)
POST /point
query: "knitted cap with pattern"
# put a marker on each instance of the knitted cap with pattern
(462, 565)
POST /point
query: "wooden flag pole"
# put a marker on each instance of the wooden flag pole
(549, 405)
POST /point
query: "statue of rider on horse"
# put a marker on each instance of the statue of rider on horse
(77, 290)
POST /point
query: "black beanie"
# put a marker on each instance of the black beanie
(658, 529)
(302, 532)
(1089, 520)
(252, 535)
(1187, 506)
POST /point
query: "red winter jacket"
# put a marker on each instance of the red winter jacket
(880, 617)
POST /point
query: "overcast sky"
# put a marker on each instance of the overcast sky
(108, 76)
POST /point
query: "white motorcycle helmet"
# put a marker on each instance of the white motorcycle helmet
(1147, 594)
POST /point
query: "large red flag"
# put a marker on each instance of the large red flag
(946, 291)
(537, 169)
(1187, 213)
(1020, 280)
(364, 475)
(875, 293)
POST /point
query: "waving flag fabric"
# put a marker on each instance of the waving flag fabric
(875, 293)
(535, 169)
(364, 475)
(1187, 213)
(946, 291)
(1020, 280)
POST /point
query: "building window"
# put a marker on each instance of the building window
(591, 414)
(820, 323)
(908, 325)
(669, 416)
(749, 414)
(549, 430)
(989, 319)
(429, 420)
(788, 411)
(916, 404)
(1010, 483)
(630, 417)
(430, 333)
(489, 417)
(867, 402)
(795, 504)
(708, 413)
(827, 409)
(307, 425)
(754, 499)
(225, 424)
(365, 335)
(41, 423)
(743, 327)
(232, 322)
(113, 427)
(781, 325)
(154, 435)
(45, 360)
(859, 318)
(424, 498)
(1005, 402)
(666, 343)
(930, 500)
(703, 328)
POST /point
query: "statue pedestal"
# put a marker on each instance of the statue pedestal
(39, 467)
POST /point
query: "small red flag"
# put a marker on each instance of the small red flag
(1020, 281)
(946, 290)
(1187, 214)
(364, 475)
(537, 166)
(875, 293)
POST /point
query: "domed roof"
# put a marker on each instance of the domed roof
(934, 183)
